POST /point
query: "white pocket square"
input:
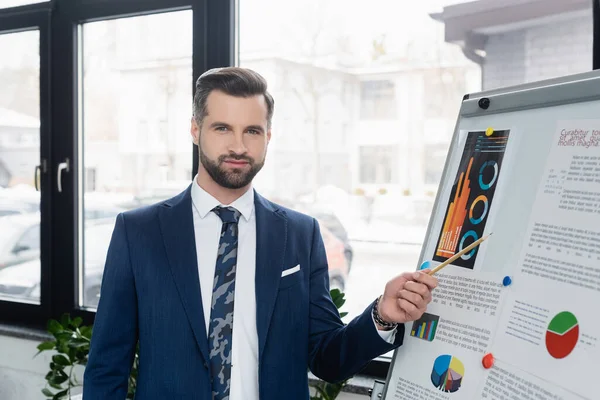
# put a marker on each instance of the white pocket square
(289, 271)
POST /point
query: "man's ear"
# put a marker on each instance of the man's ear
(268, 136)
(195, 130)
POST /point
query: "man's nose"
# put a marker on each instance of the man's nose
(238, 146)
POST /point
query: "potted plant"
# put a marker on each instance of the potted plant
(72, 345)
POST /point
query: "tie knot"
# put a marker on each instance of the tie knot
(227, 214)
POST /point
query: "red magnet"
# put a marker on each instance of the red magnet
(488, 361)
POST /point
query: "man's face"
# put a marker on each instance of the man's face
(233, 138)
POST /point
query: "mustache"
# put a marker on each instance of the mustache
(236, 157)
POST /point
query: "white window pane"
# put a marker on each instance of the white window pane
(19, 155)
(137, 91)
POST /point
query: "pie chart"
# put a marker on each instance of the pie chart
(447, 373)
(562, 335)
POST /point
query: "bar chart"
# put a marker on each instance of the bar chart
(425, 327)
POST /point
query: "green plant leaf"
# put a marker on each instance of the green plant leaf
(86, 331)
(322, 393)
(338, 298)
(57, 377)
(61, 395)
(333, 389)
(61, 360)
(54, 327)
(46, 346)
(343, 314)
(78, 345)
(72, 354)
(77, 322)
(64, 335)
(65, 320)
(47, 393)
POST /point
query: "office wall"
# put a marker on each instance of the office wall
(21, 375)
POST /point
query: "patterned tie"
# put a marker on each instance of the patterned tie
(221, 317)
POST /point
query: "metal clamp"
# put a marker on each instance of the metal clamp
(376, 393)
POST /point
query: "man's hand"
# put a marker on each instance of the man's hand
(406, 297)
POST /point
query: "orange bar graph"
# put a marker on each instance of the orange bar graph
(457, 213)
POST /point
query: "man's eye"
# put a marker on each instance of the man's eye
(221, 128)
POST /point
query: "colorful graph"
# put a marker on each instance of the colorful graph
(447, 374)
(471, 196)
(425, 327)
(457, 211)
(562, 335)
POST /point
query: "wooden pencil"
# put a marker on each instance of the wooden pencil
(459, 254)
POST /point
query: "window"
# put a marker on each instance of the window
(442, 85)
(29, 241)
(90, 179)
(137, 75)
(376, 164)
(19, 155)
(436, 157)
(378, 100)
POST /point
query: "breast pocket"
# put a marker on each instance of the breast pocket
(291, 276)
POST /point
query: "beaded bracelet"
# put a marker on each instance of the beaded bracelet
(378, 319)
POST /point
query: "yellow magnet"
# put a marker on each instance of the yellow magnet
(489, 131)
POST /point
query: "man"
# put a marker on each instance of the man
(227, 292)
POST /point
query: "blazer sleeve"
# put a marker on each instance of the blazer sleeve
(114, 335)
(338, 351)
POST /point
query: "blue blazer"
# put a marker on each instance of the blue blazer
(151, 294)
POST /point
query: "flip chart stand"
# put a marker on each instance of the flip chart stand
(376, 392)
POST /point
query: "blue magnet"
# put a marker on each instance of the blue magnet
(506, 281)
(425, 265)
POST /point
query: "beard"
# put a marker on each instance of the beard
(235, 178)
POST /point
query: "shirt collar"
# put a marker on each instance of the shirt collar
(204, 202)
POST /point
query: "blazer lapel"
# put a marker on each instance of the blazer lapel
(271, 235)
(177, 226)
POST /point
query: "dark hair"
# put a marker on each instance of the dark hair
(234, 81)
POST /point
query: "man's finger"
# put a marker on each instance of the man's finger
(419, 288)
(425, 279)
(409, 309)
(414, 298)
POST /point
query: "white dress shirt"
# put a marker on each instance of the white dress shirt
(207, 228)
